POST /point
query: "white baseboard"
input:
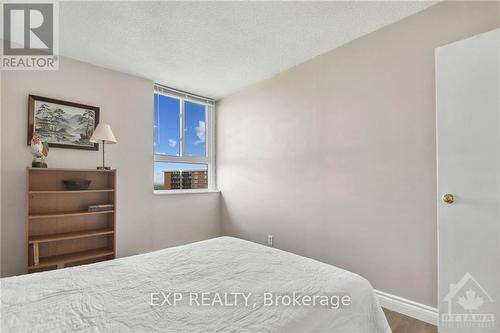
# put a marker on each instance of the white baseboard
(410, 308)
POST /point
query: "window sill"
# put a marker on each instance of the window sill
(174, 192)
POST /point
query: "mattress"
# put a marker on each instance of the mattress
(137, 294)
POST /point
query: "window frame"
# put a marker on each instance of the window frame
(209, 159)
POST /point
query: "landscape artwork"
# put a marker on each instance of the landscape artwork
(62, 124)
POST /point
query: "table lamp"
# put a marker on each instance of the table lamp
(103, 133)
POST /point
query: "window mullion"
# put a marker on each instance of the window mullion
(181, 124)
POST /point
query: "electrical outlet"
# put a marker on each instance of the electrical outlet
(270, 240)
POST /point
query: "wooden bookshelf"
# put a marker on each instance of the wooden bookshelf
(60, 231)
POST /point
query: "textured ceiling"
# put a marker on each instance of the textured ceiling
(216, 48)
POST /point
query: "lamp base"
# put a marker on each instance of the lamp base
(103, 168)
(38, 164)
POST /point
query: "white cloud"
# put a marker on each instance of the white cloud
(172, 143)
(200, 132)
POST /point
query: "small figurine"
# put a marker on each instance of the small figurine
(40, 150)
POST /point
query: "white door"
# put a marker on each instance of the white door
(468, 156)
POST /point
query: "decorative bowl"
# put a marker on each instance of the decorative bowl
(76, 184)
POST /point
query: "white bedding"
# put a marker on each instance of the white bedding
(115, 296)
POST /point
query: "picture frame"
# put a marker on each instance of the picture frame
(62, 124)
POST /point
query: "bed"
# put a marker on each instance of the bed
(134, 294)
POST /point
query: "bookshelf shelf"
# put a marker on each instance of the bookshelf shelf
(71, 192)
(67, 214)
(69, 235)
(72, 257)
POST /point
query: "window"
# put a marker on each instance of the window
(183, 141)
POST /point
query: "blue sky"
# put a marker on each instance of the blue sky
(167, 133)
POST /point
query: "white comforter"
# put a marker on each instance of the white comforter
(116, 296)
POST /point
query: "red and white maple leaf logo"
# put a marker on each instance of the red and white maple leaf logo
(470, 301)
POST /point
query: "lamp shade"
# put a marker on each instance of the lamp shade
(103, 133)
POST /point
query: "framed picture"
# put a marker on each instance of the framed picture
(62, 124)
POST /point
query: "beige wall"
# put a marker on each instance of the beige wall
(1, 174)
(336, 157)
(144, 221)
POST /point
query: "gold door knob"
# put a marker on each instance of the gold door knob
(448, 198)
